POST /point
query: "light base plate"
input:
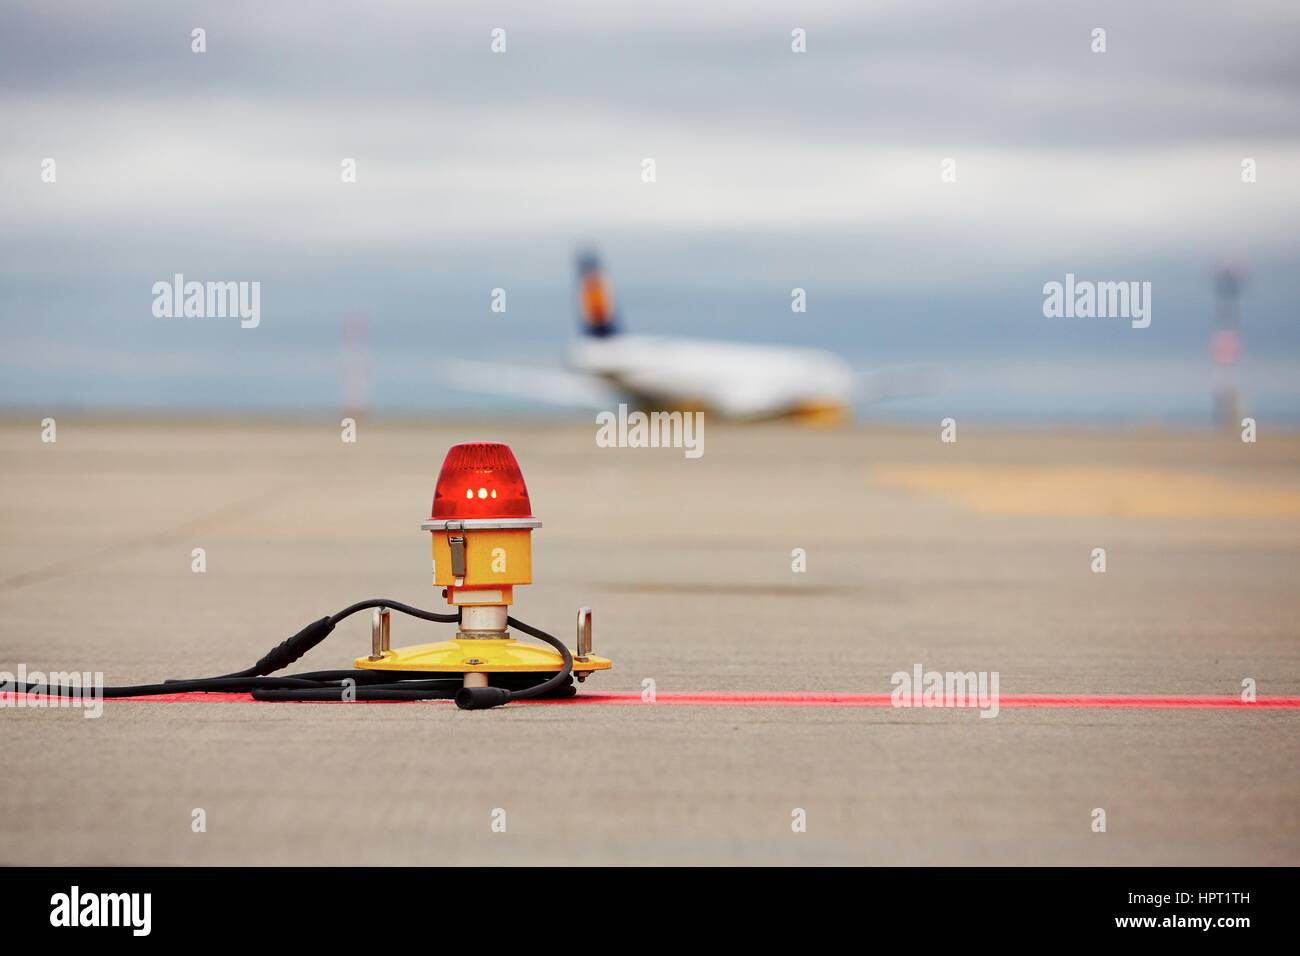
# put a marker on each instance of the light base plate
(506, 656)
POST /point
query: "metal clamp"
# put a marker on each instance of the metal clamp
(457, 543)
(584, 634)
(381, 622)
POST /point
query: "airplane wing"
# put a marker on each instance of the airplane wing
(550, 385)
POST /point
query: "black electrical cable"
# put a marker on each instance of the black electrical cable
(288, 651)
(360, 685)
(397, 606)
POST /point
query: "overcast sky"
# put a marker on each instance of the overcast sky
(774, 169)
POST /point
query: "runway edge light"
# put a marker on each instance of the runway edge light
(481, 524)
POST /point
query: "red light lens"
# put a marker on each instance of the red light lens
(481, 480)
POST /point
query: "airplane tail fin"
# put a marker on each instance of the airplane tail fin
(595, 299)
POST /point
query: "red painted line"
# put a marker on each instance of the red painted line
(809, 699)
(813, 699)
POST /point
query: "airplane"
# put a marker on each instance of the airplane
(737, 381)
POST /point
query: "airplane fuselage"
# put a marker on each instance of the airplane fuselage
(731, 379)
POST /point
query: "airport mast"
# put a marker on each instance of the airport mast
(1225, 344)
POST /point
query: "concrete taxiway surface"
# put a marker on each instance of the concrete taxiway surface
(973, 556)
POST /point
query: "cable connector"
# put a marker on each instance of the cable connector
(292, 648)
(481, 698)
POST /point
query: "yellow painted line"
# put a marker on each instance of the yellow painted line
(1091, 490)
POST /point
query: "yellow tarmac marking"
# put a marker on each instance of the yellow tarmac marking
(1091, 490)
